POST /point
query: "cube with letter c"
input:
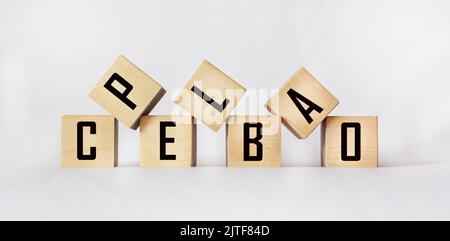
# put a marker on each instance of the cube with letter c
(88, 141)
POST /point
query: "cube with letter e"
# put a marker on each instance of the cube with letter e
(168, 141)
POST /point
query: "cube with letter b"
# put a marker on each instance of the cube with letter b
(89, 141)
(302, 103)
(350, 141)
(253, 141)
(210, 95)
(127, 92)
(168, 141)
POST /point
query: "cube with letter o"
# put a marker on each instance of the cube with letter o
(350, 141)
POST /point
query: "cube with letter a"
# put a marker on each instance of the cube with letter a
(88, 141)
(210, 95)
(302, 102)
(127, 92)
(350, 141)
(253, 141)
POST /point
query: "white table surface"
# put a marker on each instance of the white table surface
(208, 193)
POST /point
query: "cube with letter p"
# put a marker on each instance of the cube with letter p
(127, 92)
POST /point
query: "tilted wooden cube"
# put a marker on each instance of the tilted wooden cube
(253, 141)
(350, 141)
(210, 95)
(302, 103)
(168, 141)
(89, 141)
(127, 92)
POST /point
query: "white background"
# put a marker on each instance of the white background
(385, 58)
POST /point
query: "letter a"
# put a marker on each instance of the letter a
(297, 97)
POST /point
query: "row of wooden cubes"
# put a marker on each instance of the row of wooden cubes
(129, 94)
(251, 141)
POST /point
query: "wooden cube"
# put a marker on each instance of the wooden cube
(302, 103)
(127, 92)
(210, 95)
(168, 141)
(350, 141)
(253, 141)
(89, 141)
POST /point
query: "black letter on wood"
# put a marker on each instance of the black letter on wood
(93, 130)
(297, 97)
(163, 140)
(209, 100)
(256, 141)
(122, 96)
(344, 154)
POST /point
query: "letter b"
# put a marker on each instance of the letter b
(255, 141)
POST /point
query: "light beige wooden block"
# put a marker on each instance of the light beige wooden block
(168, 141)
(254, 141)
(210, 95)
(302, 102)
(350, 141)
(127, 92)
(88, 141)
